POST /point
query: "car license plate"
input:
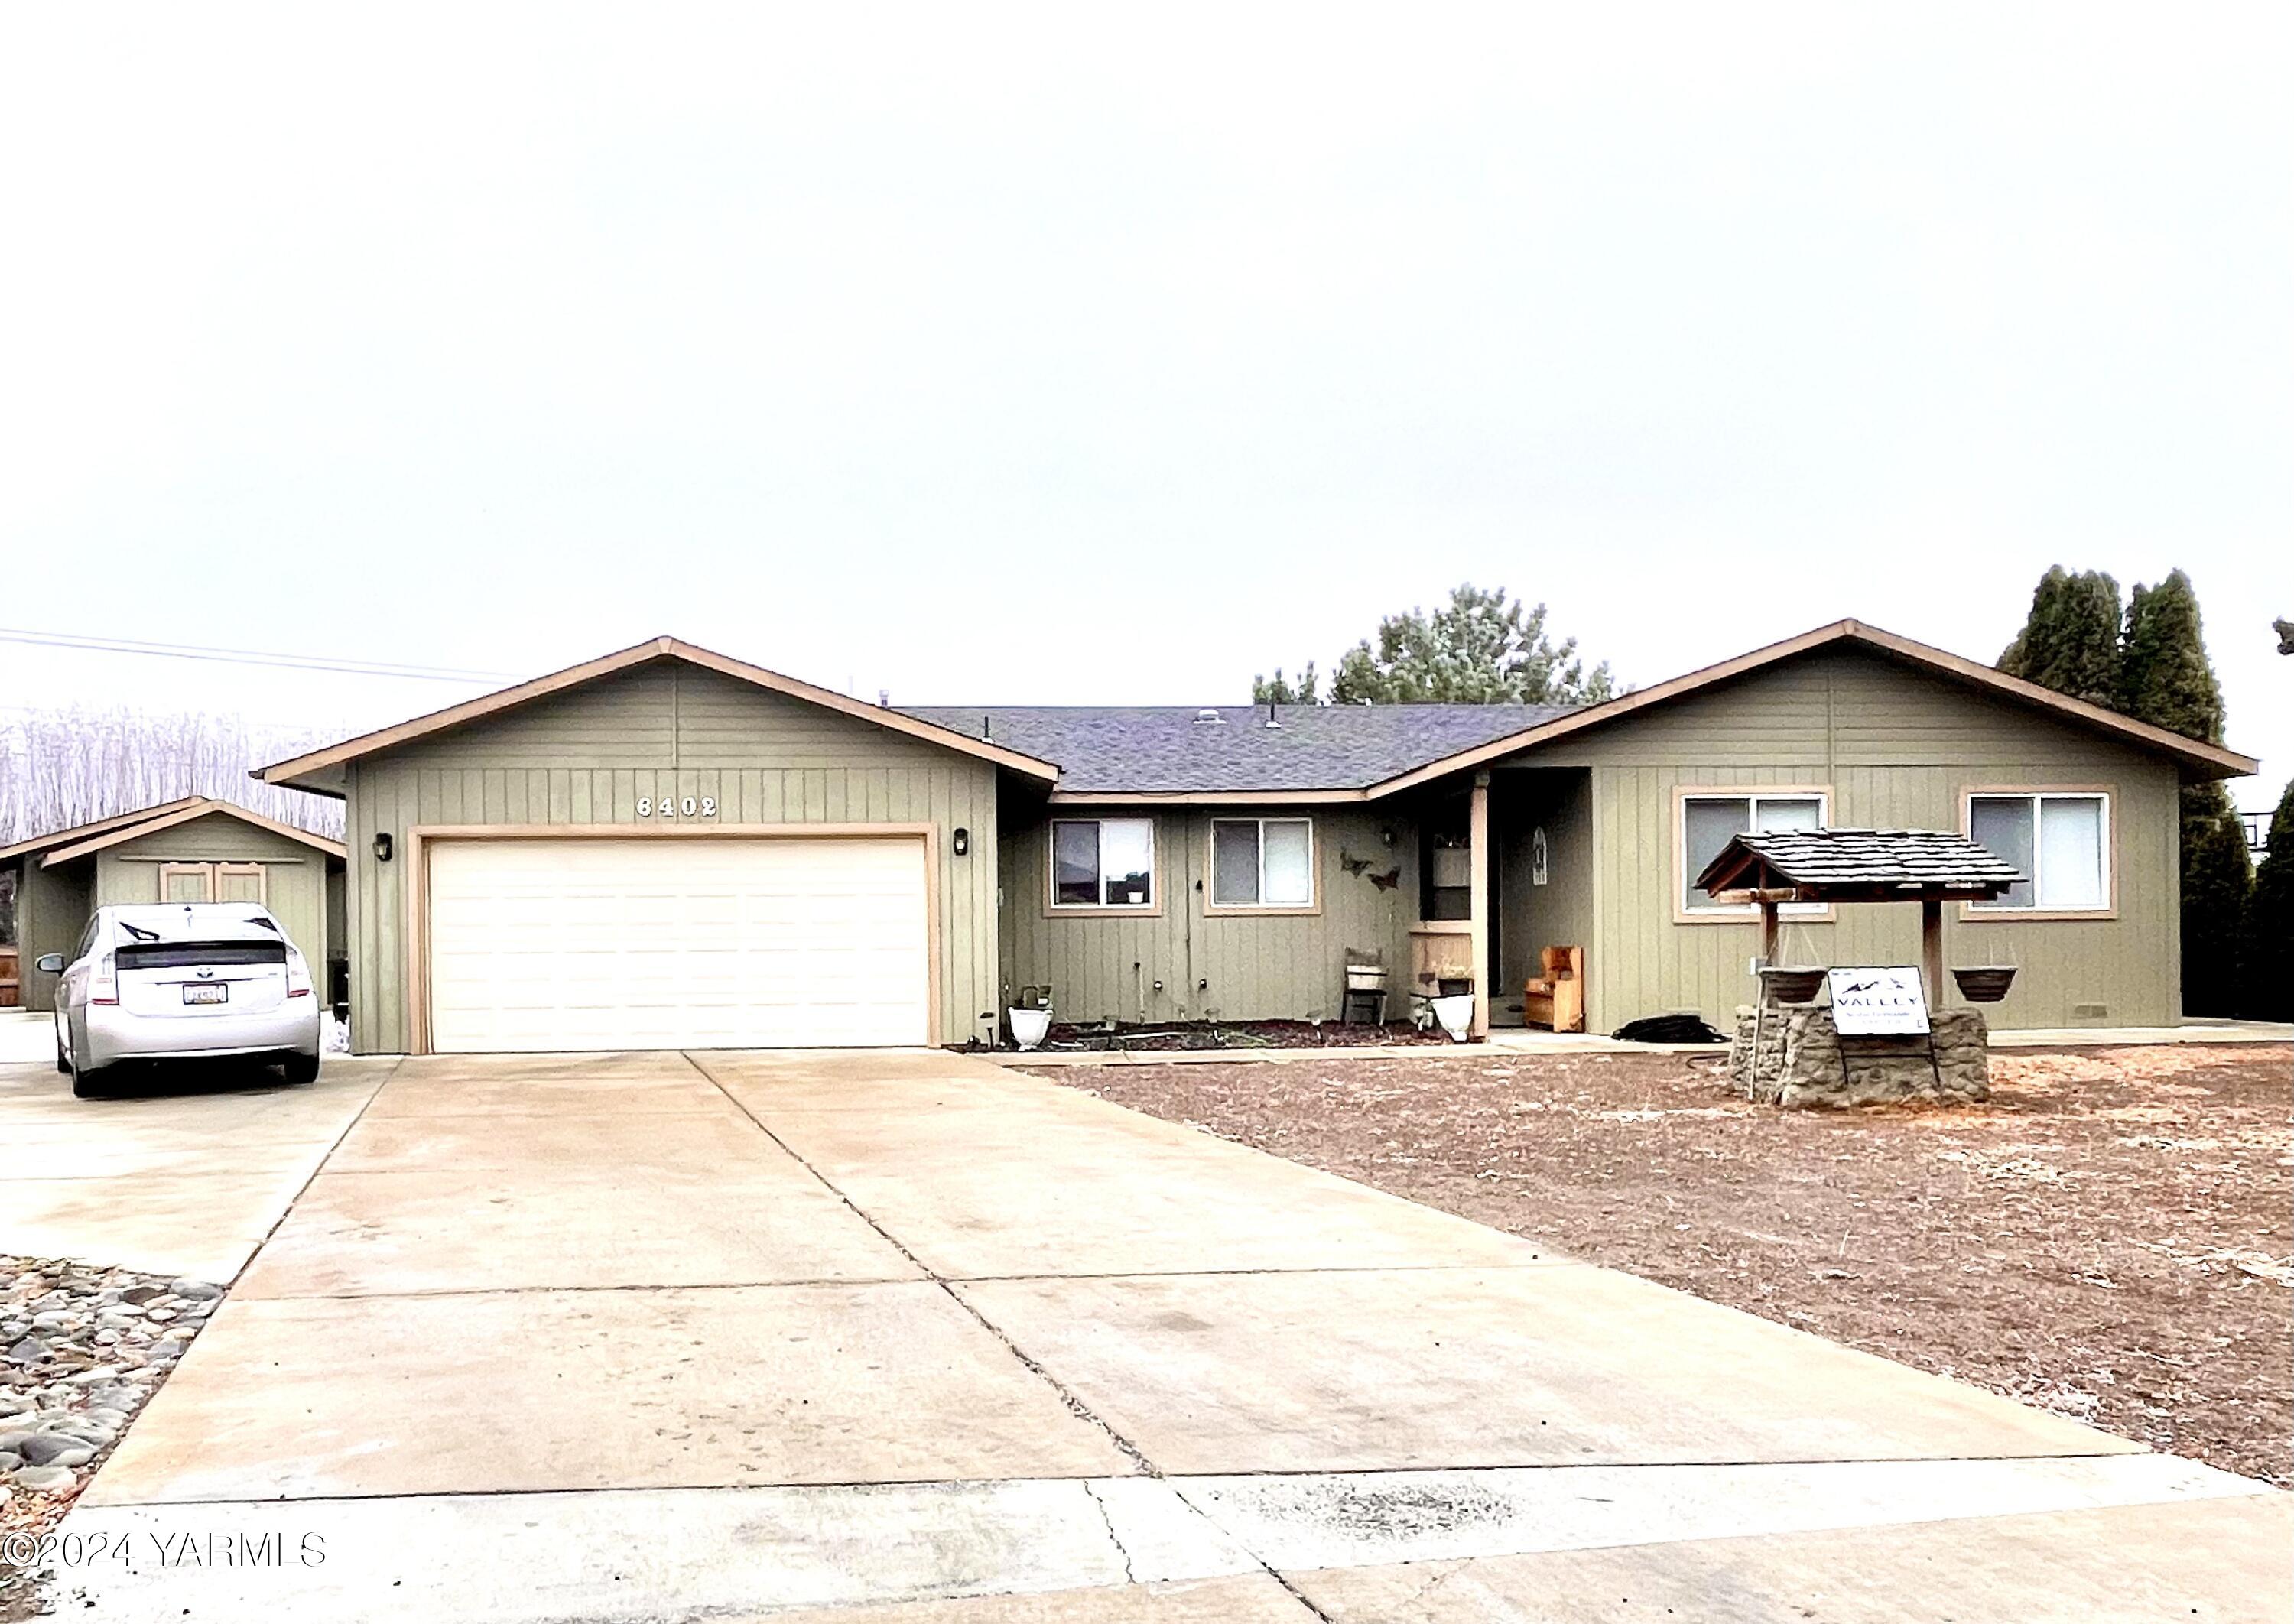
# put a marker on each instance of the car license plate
(205, 992)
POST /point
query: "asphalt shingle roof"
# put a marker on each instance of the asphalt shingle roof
(1844, 859)
(1166, 748)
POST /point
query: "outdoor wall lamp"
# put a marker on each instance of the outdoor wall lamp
(962, 842)
(382, 848)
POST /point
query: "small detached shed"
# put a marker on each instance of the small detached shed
(1798, 1055)
(194, 850)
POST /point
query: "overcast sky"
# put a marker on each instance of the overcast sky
(987, 354)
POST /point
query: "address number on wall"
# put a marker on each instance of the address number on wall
(692, 806)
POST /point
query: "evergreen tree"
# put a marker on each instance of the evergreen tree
(1281, 690)
(1479, 648)
(2069, 641)
(2166, 679)
(2268, 936)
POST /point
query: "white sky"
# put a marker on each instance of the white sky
(1002, 356)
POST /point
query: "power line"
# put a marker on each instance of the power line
(247, 657)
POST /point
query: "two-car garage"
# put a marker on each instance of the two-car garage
(715, 940)
(664, 848)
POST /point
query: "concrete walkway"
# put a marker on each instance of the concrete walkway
(911, 1337)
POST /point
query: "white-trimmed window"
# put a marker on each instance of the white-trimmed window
(2059, 840)
(1708, 822)
(1103, 862)
(1262, 863)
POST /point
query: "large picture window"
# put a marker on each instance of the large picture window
(1103, 862)
(1708, 822)
(1262, 863)
(2060, 841)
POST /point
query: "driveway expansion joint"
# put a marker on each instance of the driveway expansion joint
(1082, 1411)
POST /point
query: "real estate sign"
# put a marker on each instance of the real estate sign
(1883, 1002)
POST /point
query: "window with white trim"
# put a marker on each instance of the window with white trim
(1708, 822)
(1103, 862)
(1262, 863)
(2059, 842)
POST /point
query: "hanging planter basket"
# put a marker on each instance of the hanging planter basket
(1792, 985)
(1984, 983)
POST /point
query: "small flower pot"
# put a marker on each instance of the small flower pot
(1792, 985)
(1984, 983)
(1456, 1014)
(1028, 1027)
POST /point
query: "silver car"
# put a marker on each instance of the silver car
(179, 981)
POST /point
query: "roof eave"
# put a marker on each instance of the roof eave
(2199, 758)
(1203, 798)
(295, 770)
(205, 807)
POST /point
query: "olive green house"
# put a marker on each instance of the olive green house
(666, 847)
(195, 850)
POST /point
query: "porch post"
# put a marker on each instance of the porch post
(1932, 949)
(1478, 900)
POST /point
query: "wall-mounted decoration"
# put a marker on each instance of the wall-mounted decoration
(1352, 863)
(1537, 854)
(1388, 881)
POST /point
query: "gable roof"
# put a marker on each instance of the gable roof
(1164, 753)
(1860, 864)
(300, 768)
(2198, 759)
(157, 818)
(1169, 751)
(80, 831)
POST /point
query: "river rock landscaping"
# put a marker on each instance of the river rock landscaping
(82, 1348)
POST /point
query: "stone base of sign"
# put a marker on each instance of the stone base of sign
(1800, 1061)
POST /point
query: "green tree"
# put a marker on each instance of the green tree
(1281, 690)
(1479, 648)
(2268, 935)
(2071, 639)
(2166, 679)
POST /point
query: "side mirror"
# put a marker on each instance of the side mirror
(49, 964)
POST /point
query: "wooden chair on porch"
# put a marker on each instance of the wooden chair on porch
(1555, 997)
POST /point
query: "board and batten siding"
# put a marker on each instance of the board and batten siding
(1105, 965)
(1897, 749)
(293, 880)
(586, 756)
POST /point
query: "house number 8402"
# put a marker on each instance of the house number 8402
(692, 806)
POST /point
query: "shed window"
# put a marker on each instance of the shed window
(1262, 863)
(1103, 862)
(2060, 841)
(1708, 822)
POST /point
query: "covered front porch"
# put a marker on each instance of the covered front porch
(1505, 872)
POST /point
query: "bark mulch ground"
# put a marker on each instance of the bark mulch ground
(2111, 1236)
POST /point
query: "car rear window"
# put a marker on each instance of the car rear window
(176, 955)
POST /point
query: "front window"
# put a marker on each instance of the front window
(1708, 822)
(2061, 842)
(1262, 863)
(1103, 862)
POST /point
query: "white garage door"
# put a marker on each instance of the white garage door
(677, 944)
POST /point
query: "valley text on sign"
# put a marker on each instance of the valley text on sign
(1881, 1003)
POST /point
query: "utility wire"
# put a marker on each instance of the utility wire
(245, 656)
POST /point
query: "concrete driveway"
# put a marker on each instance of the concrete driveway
(907, 1335)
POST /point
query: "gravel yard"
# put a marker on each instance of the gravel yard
(2111, 1236)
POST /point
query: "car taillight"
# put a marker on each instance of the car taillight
(298, 976)
(104, 981)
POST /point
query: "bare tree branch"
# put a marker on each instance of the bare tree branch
(59, 768)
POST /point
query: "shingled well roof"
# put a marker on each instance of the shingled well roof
(1844, 863)
(1125, 750)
